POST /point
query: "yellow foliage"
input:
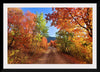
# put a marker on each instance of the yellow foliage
(12, 53)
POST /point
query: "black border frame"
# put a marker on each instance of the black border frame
(46, 70)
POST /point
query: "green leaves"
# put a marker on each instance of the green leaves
(38, 37)
(41, 25)
(63, 39)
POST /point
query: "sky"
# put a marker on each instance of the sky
(52, 30)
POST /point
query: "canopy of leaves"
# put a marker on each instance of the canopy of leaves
(72, 19)
(41, 25)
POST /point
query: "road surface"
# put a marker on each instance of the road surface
(51, 56)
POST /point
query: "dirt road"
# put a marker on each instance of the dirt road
(51, 56)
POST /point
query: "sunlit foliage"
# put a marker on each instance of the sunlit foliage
(77, 21)
(25, 35)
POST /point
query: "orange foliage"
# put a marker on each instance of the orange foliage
(52, 43)
(72, 19)
(21, 26)
(44, 42)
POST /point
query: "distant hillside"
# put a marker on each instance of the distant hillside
(51, 38)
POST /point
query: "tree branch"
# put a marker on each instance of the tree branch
(90, 33)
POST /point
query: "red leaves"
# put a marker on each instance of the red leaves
(14, 15)
(69, 9)
(71, 17)
(22, 25)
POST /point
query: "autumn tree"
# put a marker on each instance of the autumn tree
(27, 27)
(20, 26)
(52, 43)
(64, 39)
(44, 43)
(78, 20)
(25, 35)
(14, 16)
(41, 25)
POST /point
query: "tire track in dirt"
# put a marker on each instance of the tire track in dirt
(51, 56)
